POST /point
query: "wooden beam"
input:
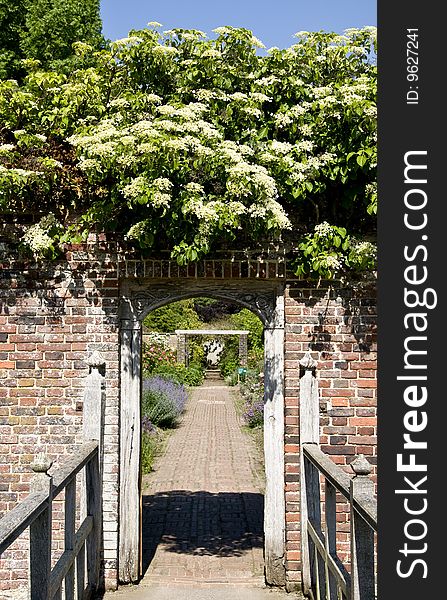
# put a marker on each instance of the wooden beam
(274, 512)
(130, 434)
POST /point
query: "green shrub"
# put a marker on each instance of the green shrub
(163, 401)
(176, 315)
(194, 375)
(245, 319)
(232, 378)
(191, 376)
(150, 444)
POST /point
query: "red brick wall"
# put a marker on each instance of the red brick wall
(338, 326)
(52, 316)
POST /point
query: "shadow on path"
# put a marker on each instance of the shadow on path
(200, 523)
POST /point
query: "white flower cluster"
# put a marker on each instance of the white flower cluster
(223, 30)
(243, 175)
(267, 81)
(194, 188)
(37, 237)
(136, 232)
(204, 211)
(282, 120)
(253, 112)
(324, 230)
(157, 192)
(212, 53)
(21, 173)
(330, 261)
(365, 249)
(6, 148)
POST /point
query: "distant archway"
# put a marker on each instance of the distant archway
(266, 299)
(183, 334)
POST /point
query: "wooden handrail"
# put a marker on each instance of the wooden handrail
(339, 479)
(321, 563)
(35, 512)
(20, 517)
(72, 465)
(365, 506)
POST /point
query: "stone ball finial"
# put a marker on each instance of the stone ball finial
(361, 466)
(95, 360)
(41, 463)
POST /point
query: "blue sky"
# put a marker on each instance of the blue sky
(273, 21)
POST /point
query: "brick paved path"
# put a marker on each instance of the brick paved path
(203, 505)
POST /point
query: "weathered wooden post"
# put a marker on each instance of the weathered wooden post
(70, 530)
(130, 441)
(94, 509)
(93, 430)
(93, 410)
(40, 532)
(310, 481)
(274, 512)
(362, 536)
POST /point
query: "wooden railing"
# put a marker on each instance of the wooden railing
(324, 575)
(82, 546)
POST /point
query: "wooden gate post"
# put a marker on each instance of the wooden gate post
(129, 557)
(274, 511)
(40, 533)
(309, 479)
(362, 536)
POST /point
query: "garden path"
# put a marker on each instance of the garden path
(203, 509)
(203, 504)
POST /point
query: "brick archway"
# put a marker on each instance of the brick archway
(266, 299)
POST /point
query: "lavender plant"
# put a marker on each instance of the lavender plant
(252, 391)
(163, 401)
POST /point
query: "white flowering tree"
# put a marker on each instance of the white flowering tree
(179, 142)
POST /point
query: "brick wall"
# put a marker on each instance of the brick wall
(338, 326)
(52, 317)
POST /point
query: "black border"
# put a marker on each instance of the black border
(406, 127)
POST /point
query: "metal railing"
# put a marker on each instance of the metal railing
(324, 575)
(82, 545)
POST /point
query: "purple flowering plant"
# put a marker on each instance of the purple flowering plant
(163, 401)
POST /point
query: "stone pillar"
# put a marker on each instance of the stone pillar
(243, 350)
(181, 348)
(94, 401)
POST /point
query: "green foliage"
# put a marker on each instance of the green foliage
(178, 142)
(192, 375)
(177, 315)
(329, 250)
(45, 30)
(52, 26)
(12, 20)
(245, 319)
(150, 445)
(229, 359)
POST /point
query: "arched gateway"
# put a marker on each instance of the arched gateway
(266, 299)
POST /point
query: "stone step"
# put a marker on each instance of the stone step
(212, 374)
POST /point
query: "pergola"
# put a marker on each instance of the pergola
(182, 341)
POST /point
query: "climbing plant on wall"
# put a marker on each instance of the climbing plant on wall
(173, 140)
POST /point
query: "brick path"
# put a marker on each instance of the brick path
(203, 505)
